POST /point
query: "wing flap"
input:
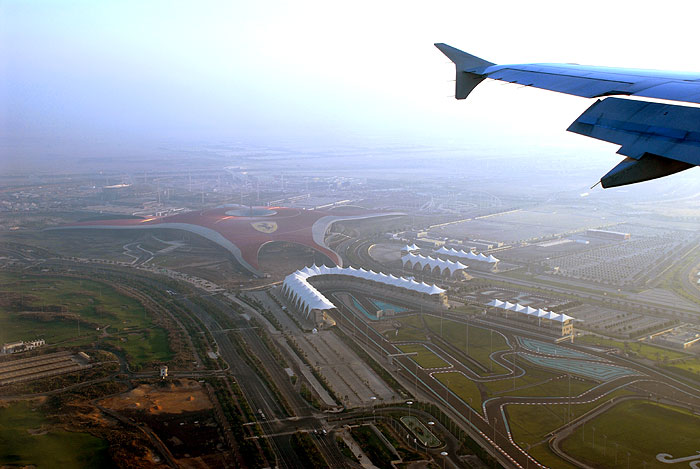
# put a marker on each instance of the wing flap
(641, 127)
(657, 139)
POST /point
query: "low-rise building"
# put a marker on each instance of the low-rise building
(21, 346)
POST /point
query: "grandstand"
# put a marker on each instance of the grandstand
(542, 317)
(432, 264)
(312, 304)
(467, 255)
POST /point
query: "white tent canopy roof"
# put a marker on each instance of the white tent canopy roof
(433, 262)
(302, 292)
(470, 255)
(530, 311)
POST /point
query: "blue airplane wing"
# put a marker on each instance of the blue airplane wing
(657, 139)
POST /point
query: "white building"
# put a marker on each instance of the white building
(313, 304)
(434, 265)
(467, 255)
(543, 317)
(21, 346)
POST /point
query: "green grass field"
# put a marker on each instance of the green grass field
(462, 386)
(685, 363)
(411, 329)
(67, 311)
(425, 357)
(479, 342)
(531, 423)
(537, 382)
(545, 456)
(643, 350)
(643, 429)
(27, 438)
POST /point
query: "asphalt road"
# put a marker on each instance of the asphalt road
(489, 424)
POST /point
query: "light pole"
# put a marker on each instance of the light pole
(416, 376)
(444, 458)
(430, 425)
(471, 409)
(410, 403)
(491, 359)
(466, 347)
(568, 412)
(367, 332)
(527, 455)
(447, 392)
(373, 399)
(605, 444)
(442, 316)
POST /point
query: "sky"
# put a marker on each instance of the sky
(102, 78)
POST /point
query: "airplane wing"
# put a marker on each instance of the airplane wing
(657, 139)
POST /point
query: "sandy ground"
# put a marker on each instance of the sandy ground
(183, 396)
(385, 253)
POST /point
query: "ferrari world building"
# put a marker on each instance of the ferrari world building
(244, 230)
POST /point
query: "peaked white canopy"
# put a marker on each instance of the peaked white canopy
(470, 255)
(305, 297)
(441, 264)
(530, 311)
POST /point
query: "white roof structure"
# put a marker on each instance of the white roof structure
(305, 297)
(469, 255)
(410, 247)
(433, 262)
(538, 313)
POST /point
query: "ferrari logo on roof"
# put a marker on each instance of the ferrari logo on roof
(265, 226)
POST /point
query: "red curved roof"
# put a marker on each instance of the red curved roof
(249, 233)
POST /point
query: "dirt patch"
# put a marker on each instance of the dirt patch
(176, 397)
(38, 431)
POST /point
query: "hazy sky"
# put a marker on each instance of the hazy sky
(98, 77)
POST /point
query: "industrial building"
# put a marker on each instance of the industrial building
(21, 346)
(604, 234)
(680, 338)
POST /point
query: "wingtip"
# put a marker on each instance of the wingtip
(463, 60)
